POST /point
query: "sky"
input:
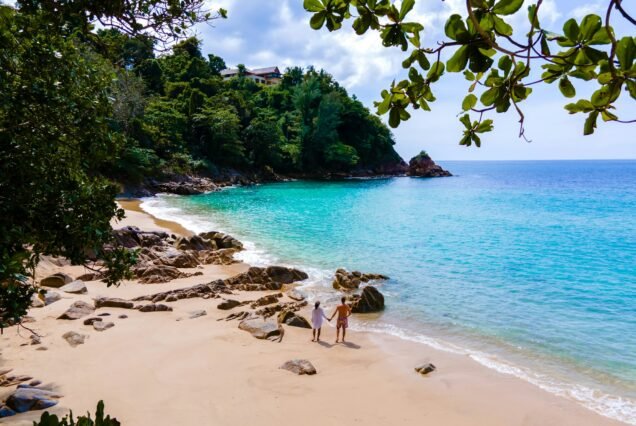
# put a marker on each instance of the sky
(260, 33)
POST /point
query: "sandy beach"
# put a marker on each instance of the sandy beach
(164, 368)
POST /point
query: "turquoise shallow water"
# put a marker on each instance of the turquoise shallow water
(528, 267)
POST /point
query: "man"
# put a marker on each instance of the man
(343, 312)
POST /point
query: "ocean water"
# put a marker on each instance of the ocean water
(527, 267)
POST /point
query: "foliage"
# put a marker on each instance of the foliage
(68, 420)
(500, 69)
(72, 113)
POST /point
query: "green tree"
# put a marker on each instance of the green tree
(216, 64)
(500, 64)
(263, 139)
(54, 140)
(218, 129)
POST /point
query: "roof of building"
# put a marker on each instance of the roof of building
(268, 70)
(229, 71)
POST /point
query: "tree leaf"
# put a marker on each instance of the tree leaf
(507, 7)
(313, 5)
(502, 26)
(318, 20)
(469, 102)
(394, 117)
(571, 29)
(590, 123)
(589, 26)
(566, 88)
(484, 126)
(406, 7)
(465, 119)
(458, 61)
(626, 52)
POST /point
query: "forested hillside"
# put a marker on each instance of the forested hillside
(179, 116)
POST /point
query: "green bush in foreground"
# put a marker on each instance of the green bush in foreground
(52, 420)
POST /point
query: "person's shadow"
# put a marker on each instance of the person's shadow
(351, 345)
(325, 344)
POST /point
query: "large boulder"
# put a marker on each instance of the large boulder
(299, 366)
(347, 281)
(155, 307)
(102, 325)
(31, 398)
(222, 241)
(195, 242)
(266, 300)
(37, 300)
(131, 237)
(423, 166)
(370, 300)
(113, 302)
(178, 259)
(260, 328)
(77, 310)
(155, 274)
(292, 319)
(75, 287)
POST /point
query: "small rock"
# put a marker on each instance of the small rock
(299, 366)
(260, 328)
(228, 304)
(74, 339)
(35, 339)
(91, 321)
(123, 316)
(42, 348)
(113, 302)
(197, 314)
(35, 383)
(425, 369)
(102, 325)
(155, 308)
(51, 297)
(104, 314)
(75, 287)
(292, 319)
(77, 310)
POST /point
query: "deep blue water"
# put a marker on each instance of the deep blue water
(529, 267)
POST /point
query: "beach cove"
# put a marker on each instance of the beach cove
(152, 369)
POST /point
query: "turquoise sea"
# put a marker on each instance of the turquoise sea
(527, 267)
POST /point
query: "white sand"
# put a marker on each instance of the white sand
(151, 369)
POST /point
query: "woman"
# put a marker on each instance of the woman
(317, 314)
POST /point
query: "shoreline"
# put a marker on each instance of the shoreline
(209, 372)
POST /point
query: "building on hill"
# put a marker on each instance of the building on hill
(269, 75)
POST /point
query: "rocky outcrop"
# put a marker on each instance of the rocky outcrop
(113, 302)
(299, 366)
(206, 291)
(270, 278)
(424, 369)
(74, 287)
(292, 319)
(346, 281)
(423, 166)
(266, 300)
(370, 300)
(77, 310)
(74, 339)
(294, 294)
(161, 256)
(271, 310)
(185, 185)
(260, 328)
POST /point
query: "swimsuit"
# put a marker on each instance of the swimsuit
(342, 322)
